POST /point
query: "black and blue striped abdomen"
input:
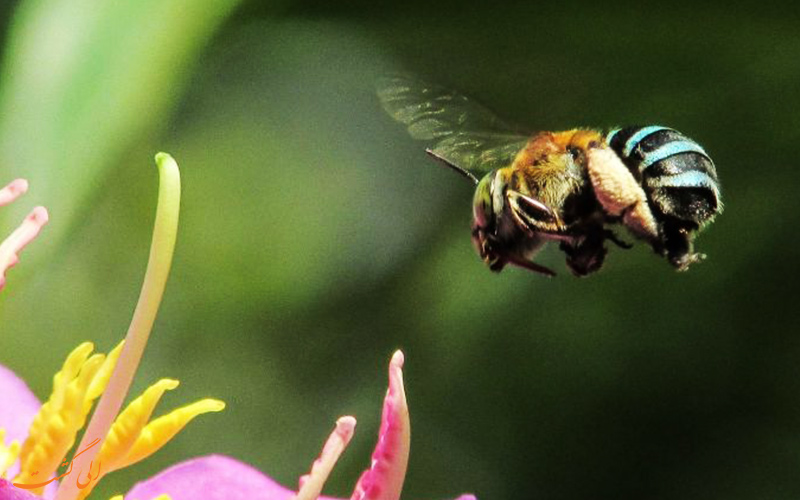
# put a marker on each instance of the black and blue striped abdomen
(677, 175)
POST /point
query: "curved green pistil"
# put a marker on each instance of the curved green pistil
(155, 280)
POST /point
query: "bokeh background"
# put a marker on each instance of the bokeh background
(316, 238)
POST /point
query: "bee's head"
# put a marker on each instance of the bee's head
(487, 206)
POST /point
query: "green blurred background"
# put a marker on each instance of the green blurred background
(316, 238)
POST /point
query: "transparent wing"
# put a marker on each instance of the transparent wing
(462, 131)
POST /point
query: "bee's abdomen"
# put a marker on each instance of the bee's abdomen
(678, 176)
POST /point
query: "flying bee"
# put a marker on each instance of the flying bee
(568, 187)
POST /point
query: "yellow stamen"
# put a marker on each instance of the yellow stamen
(132, 438)
(158, 432)
(130, 422)
(68, 371)
(100, 381)
(61, 417)
(81, 380)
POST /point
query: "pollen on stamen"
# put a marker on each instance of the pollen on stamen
(61, 417)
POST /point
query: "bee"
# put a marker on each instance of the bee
(569, 187)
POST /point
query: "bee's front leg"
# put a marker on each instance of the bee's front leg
(532, 215)
(530, 265)
(496, 255)
(536, 219)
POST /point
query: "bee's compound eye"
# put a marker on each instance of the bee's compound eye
(482, 205)
(575, 152)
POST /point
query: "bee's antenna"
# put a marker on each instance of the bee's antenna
(452, 165)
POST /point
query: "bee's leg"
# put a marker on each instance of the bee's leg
(531, 266)
(612, 237)
(497, 265)
(677, 245)
(533, 215)
(586, 254)
(497, 262)
(485, 245)
(619, 193)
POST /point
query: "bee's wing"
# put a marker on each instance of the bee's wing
(463, 132)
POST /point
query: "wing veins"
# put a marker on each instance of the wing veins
(463, 133)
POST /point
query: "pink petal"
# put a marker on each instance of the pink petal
(18, 405)
(214, 477)
(384, 479)
(9, 492)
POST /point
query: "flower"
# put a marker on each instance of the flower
(53, 425)
(113, 439)
(48, 431)
(217, 477)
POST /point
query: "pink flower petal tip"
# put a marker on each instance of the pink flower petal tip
(12, 191)
(311, 484)
(384, 479)
(24, 234)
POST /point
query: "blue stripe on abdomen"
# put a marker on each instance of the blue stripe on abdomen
(610, 135)
(671, 148)
(637, 137)
(690, 179)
